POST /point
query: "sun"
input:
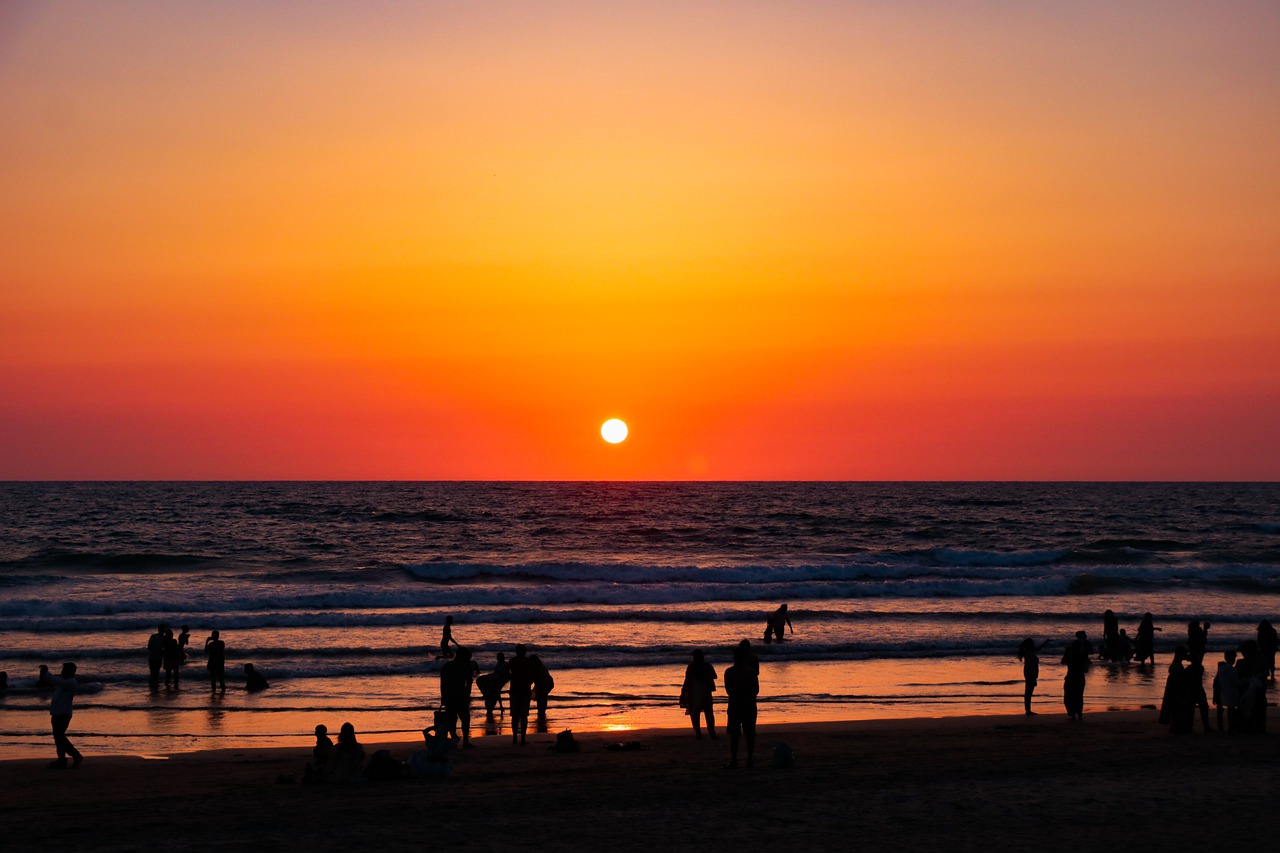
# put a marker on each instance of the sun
(613, 431)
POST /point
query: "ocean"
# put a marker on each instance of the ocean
(907, 599)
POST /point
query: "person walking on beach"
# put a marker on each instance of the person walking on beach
(1027, 653)
(215, 652)
(155, 654)
(742, 684)
(1145, 647)
(446, 637)
(456, 677)
(64, 692)
(696, 694)
(520, 693)
(778, 620)
(1076, 660)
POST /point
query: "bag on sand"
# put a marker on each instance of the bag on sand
(566, 743)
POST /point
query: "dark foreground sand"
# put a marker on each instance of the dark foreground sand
(1116, 781)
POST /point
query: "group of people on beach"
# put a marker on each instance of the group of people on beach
(1239, 686)
(169, 653)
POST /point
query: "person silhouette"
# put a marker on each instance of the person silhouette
(520, 693)
(254, 680)
(155, 654)
(446, 637)
(346, 759)
(696, 694)
(44, 678)
(60, 711)
(543, 684)
(1177, 708)
(491, 684)
(455, 693)
(1226, 693)
(778, 620)
(1145, 646)
(172, 659)
(1076, 660)
(1027, 653)
(1197, 641)
(1267, 643)
(742, 684)
(1110, 636)
(215, 651)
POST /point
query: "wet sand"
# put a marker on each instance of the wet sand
(1018, 783)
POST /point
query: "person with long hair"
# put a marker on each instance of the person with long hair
(1028, 654)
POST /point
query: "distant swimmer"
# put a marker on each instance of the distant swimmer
(446, 637)
(773, 629)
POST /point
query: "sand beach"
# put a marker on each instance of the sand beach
(1117, 780)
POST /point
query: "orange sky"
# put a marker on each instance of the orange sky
(845, 240)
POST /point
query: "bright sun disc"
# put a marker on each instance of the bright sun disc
(613, 430)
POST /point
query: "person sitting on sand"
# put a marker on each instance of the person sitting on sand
(1027, 653)
(319, 755)
(491, 684)
(347, 758)
(742, 684)
(254, 680)
(696, 693)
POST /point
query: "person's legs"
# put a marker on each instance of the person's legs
(711, 720)
(749, 732)
(60, 723)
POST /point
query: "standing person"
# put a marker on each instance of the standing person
(543, 684)
(155, 653)
(1226, 694)
(491, 684)
(696, 694)
(456, 677)
(172, 659)
(215, 652)
(184, 639)
(520, 693)
(446, 637)
(1027, 653)
(1197, 641)
(778, 620)
(742, 684)
(64, 691)
(1145, 647)
(1177, 709)
(1267, 642)
(1076, 660)
(1110, 635)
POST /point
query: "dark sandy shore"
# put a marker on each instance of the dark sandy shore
(1117, 781)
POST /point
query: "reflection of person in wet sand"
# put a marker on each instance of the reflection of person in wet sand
(778, 620)
(446, 637)
(742, 683)
(695, 694)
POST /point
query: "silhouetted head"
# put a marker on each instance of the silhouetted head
(464, 654)
(347, 734)
(697, 655)
(185, 629)
(248, 667)
(322, 730)
(1107, 613)
(520, 650)
(782, 607)
(1081, 635)
(68, 669)
(1179, 654)
(1229, 657)
(448, 620)
(214, 633)
(1026, 647)
(1123, 632)
(44, 668)
(1265, 626)
(502, 657)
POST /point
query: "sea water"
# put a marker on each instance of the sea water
(907, 599)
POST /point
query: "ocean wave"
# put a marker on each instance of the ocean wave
(107, 561)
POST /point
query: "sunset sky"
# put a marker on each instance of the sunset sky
(800, 240)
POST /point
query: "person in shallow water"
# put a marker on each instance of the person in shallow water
(446, 637)
(215, 652)
(778, 620)
(520, 693)
(1027, 653)
(254, 680)
(1076, 660)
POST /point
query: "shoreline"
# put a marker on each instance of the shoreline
(1039, 782)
